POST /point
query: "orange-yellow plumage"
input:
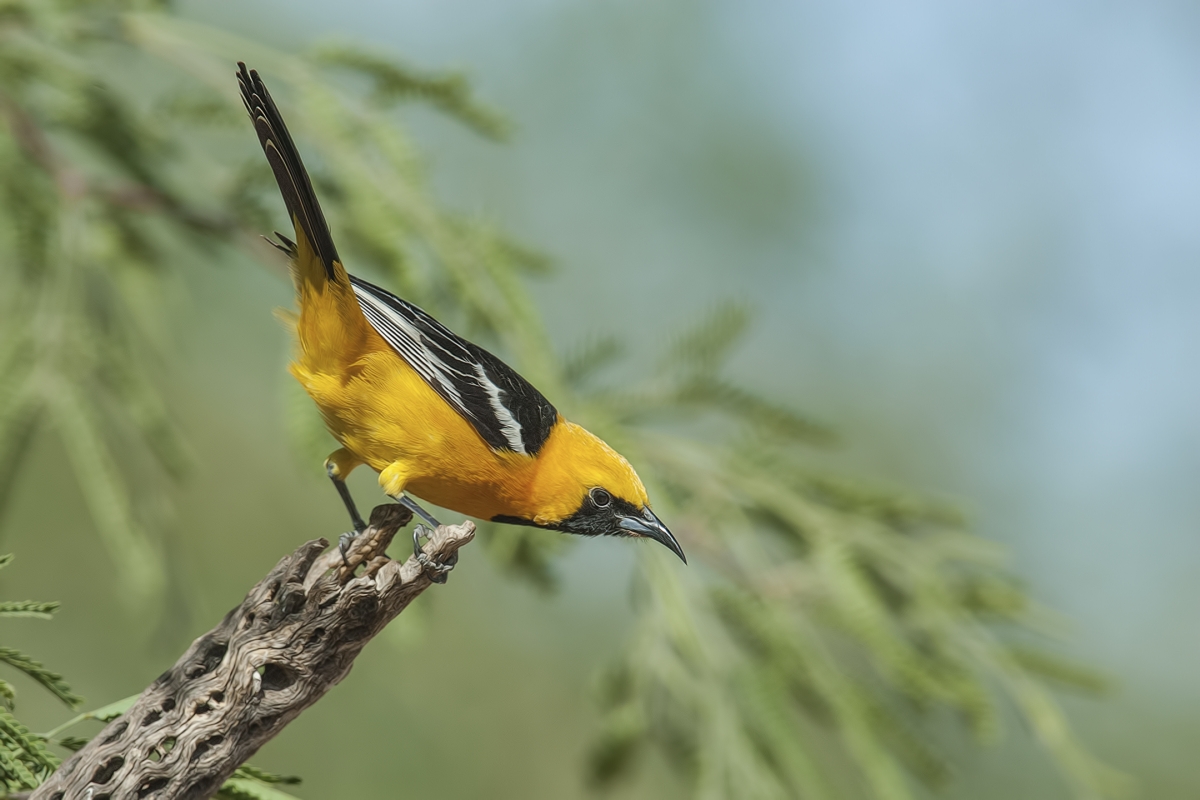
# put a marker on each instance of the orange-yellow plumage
(386, 416)
(514, 460)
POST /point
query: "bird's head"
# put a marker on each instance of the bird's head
(583, 486)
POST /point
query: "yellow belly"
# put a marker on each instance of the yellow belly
(385, 414)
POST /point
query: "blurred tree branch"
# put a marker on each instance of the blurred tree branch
(292, 639)
(819, 617)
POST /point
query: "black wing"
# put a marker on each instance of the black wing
(501, 405)
(289, 170)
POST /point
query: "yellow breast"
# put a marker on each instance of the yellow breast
(384, 412)
(381, 410)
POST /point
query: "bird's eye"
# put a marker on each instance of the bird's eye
(601, 498)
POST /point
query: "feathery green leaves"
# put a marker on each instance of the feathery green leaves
(27, 608)
(826, 617)
(821, 624)
(252, 783)
(24, 760)
(391, 82)
(52, 681)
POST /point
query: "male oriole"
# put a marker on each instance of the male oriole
(435, 415)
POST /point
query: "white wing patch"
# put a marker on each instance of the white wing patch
(404, 336)
(512, 428)
(483, 389)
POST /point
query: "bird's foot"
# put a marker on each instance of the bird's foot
(344, 542)
(437, 571)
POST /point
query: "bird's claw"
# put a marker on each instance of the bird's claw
(344, 542)
(437, 571)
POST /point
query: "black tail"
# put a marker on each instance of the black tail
(289, 170)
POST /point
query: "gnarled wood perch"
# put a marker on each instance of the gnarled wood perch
(292, 639)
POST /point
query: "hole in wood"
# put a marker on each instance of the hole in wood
(117, 732)
(289, 601)
(276, 677)
(106, 770)
(206, 745)
(209, 658)
(202, 708)
(262, 724)
(358, 632)
(168, 705)
(151, 718)
(151, 786)
(315, 636)
(217, 697)
(155, 756)
(168, 744)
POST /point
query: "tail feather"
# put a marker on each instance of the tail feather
(294, 184)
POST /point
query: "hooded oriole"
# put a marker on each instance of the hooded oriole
(435, 415)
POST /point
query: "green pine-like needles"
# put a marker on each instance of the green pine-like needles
(25, 760)
(823, 632)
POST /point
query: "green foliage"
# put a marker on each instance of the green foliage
(821, 628)
(24, 760)
(829, 613)
(91, 216)
(27, 608)
(103, 714)
(391, 83)
(52, 681)
(251, 783)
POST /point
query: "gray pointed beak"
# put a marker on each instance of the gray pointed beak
(651, 527)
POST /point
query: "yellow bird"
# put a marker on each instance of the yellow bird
(435, 415)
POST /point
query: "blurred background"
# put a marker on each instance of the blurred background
(967, 234)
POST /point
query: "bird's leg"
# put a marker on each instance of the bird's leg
(355, 519)
(331, 469)
(438, 571)
(415, 507)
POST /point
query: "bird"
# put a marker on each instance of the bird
(436, 416)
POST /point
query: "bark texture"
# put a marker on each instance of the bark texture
(293, 638)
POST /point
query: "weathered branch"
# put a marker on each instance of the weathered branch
(292, 639)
